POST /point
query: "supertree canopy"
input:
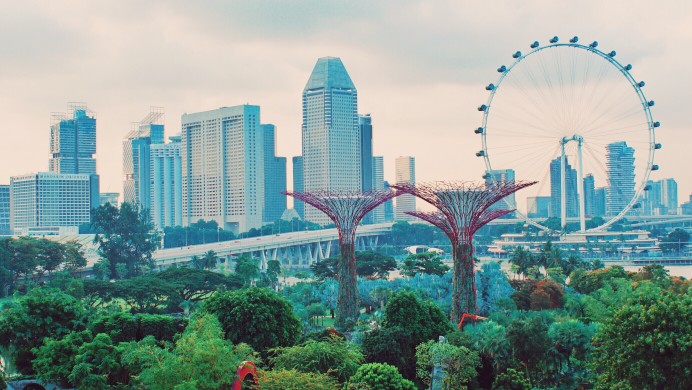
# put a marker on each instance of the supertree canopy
(346, 209)
(463, 208)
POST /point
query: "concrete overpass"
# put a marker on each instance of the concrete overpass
(297, 249)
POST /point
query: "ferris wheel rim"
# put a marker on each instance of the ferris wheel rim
(625, 71)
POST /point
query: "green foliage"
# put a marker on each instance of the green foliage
(528, 336)
(201, 359)
(200, 232)
(335, 357)
(675, 241)
(378, 376)
(42, 313)
(125, 236)
(457, 363)
(325, 269)
(429, 263)
(293, 379)
(490, 338)
(492, 288)
(122, 327)
(208, 261)
(587, 282)
(56, 357)
(248, 268)
(646, 343)
(97, 365)
(374, 265)
(256, 316)
(194, 285)
(511, 380)
(404, 234)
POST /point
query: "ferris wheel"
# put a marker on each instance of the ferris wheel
(574, 118)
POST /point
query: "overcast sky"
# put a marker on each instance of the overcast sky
(420, 68)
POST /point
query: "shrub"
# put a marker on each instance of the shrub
(379, 376)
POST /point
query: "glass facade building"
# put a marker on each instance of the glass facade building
(405, 172)
(538, 206)
(274, 177)
(570, 191)
(331, 134)
(4, 209)
(73, 141)
(620, 167)
(137, 155)
(298, 205)
(500, 176)
(165, 183)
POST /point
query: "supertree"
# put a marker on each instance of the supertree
(346, 209)
(463, 208)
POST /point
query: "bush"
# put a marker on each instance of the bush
(292, 379)
(335, 357)
(379, 376)
(123, 327)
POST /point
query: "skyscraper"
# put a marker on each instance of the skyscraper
(166, 175)
(669, 195)
(377, 185)
(388, 206)
(298, 185)
(331, 135)
(589, 195)
(274, 177)
(223, 167)
(136, 157)
(4, 209)
(555, 190)
(620, 166)
(405, 172)
(49, 199)
(499, 176)
(600, 200)
(73, 140)
(365, 126)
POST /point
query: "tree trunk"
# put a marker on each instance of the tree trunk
(347, 296)
(463, 282)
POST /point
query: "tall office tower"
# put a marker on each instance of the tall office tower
(377, 215)
(651, 198)
(109, 197)
(499, 176)
(274, 177)
(73, 140)
(620, 166)
(405, 172)
(166, 183)
(589, 195)
(366, 167)
(49, 199)
(538, 206)
(223, 167)
(331, 135)
(4, 209)
(555, 190)
(669, 195)
(298, 185)
(686, 208)
(388, 206)
(600, 201)
(136, 157)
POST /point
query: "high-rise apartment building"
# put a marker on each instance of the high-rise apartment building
(570, 189)
(377, 215)
(4, 209)
(137, 155)
(331, 134)
(73, 140)
(165, 183)
(669, 196)
(405, 172)
(223, 167)
(274, 177)
(660, 197)
(600, 201)
(50, 199)
(500, 176)
(590, 196)
(109, 197)
(620, 166)
(298, 186)
(538, 206)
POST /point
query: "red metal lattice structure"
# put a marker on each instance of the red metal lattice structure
(346, 209)
(463, 208)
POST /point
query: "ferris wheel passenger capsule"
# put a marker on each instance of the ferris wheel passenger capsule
(651, 103)
(482, 107)
(654, 167)
(480, 153)
(594, 44)
(516, 55)
(534, 44)
(628, 67)
(647, 187)
(641, 84)
(490, 87)
(612, 54)
(502, 69)
(658, 146)
(554, 39)
(478, 130)
(657, 124)
(575, 39)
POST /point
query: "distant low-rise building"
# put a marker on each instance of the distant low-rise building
(109, 197)
(4, 209)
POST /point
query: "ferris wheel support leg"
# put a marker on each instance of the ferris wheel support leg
(580, 186)
(563, 188)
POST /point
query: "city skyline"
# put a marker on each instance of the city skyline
(423, 106)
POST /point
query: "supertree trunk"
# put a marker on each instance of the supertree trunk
(463, 281)
(347, 295)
